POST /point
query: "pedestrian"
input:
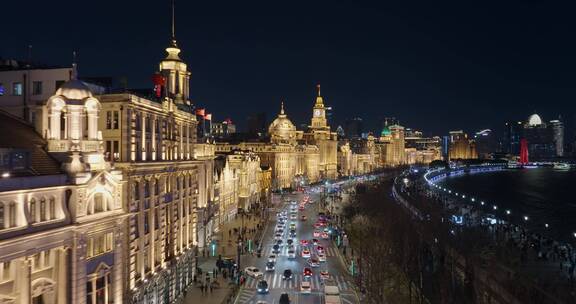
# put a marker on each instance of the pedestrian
(211, 288)
(202, 288)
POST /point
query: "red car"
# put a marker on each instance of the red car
(320, 249)
(301, 208)
(324, 274)
(307, 272)
(304, 242)
(316, 233)
(325, 235)
(315, 242)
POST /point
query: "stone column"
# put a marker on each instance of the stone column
(55, 124)
(61, 295)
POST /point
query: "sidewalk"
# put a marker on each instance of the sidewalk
(194, 293)
(228, 236)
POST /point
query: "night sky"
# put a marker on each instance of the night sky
(435, 68)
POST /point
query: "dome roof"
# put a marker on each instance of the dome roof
(534, 120)
(385, 131)
(74, 89)
(282, 128)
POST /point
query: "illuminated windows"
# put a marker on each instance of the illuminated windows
(17, 89)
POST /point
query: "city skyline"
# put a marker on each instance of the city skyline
(238, 69)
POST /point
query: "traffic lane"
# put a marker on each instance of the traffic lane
(249, 295)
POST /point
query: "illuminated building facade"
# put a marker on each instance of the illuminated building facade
(319, 134)
(285, 153)
(63, 221)
(461, 147)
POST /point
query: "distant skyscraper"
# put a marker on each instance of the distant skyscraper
(257, 124)
(353, 127)
(558, 134)
(540, 139)
(486, 143)
(511, 139)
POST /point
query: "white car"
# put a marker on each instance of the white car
(272, 258)
(293, 216)
(305, 287)
(278, 236)
(253, 272)
(291, 254)
(321, 257)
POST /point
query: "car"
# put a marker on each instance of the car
(291, 254)
(284, 299)
(316, 233)
(287, 274)
(314, 262)
(307, 272)
(292, 225)
(293, 216)
(305, 287)
(304, 242)
(293, 233)
(280, 230)
(301, 208)
(289, 242)
(253, 272)
(317, 225)
(315, 242)
(262, 286)
(320, 249)
(278, 236)
(303, 218)
(293, 202)
(305, 253)
(325, 236)
(279, 242)
(321, 257)
(272, 258)
(324, 275)
(270, 266)
(276, 249)
(327, 230)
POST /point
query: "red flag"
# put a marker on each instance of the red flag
(200, 112)
(208, 116)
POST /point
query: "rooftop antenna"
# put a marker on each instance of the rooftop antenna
(74, 66)
(173, 30)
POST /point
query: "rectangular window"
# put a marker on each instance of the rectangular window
(116, 151)
(12, 214)
(116, 121)
(108, 120)
(108, 153)
(37, 88)
(1, 216)
(17, 89)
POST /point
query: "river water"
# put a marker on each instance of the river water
(545, 195)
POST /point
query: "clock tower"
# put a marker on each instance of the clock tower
(319, 113)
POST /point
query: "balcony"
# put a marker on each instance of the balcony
(63, 145)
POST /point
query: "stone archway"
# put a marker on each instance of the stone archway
(43, 291)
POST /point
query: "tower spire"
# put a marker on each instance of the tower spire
(74, 66)
(318, 86)
(173, 30)
(282, 107)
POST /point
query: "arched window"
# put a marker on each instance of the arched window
(99, 203)
(43, 209)
(32, 211)
(52, 208)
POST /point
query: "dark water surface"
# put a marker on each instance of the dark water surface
(545, 195)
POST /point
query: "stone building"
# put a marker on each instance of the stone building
(153, 140)
(63, 220)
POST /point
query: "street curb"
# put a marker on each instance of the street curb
(347, 270)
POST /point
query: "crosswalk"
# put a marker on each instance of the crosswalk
(275, 281)
(268, 250)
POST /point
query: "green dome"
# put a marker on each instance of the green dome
(385, 132)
